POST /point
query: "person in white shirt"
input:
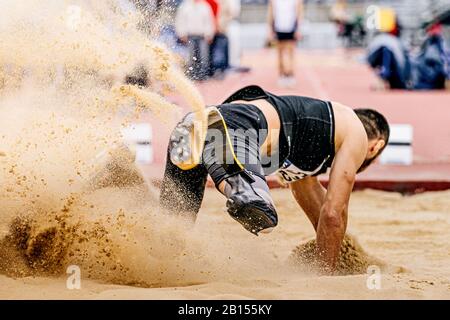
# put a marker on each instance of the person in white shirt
(284, 20)
(194, 25)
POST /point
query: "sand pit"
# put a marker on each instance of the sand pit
(69, 196)
(353, 259)
(218, 259)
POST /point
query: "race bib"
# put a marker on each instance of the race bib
(290, 173)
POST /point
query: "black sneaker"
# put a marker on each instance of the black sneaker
(250, 209)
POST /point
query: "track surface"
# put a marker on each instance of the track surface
(341, 76)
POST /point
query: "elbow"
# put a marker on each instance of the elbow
(332, 219)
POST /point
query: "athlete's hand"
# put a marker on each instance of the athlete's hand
(334, 212)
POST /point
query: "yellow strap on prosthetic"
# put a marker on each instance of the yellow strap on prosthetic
(229, 142)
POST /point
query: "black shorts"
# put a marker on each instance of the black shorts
(285, 36)
(182, 191)
(247, 128)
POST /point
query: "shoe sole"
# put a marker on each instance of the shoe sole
(255, 216)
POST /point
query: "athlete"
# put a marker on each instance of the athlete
(284, 18)
(255, 134)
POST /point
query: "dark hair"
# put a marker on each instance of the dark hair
(376, 127)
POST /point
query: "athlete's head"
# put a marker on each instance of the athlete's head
(377, 129)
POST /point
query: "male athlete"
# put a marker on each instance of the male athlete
(297, 138)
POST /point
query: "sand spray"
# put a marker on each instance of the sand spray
(62, 103)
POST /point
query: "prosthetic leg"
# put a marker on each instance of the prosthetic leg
(249, 203)
(248, 197)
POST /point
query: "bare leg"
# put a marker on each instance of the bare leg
(282, 81)
(290, 49)
(281, 66)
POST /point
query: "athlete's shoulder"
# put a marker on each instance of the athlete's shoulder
(348, 125)
(346, 113)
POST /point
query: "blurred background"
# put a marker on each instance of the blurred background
(79, 79)
(326, 24)
(389, 55)
(392, 56)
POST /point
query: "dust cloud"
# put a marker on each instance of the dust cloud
(70, 193)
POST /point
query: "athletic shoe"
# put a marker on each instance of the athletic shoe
(250, 209)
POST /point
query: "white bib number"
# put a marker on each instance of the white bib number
(290, 173)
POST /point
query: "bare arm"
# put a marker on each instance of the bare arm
(334, 212)
(328, 209)
(310, 195)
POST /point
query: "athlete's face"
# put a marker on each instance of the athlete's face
(373, 151)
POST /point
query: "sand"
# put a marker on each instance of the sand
(70, 194)
(409, 234)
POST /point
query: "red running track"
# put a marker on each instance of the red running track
(340, 76)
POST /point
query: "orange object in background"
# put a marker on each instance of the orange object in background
(387, 20)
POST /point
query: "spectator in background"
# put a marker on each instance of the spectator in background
(232, 28)
(225, 13)
(431, 67)
(214, 8)
(339, 15)
(351, 28)
(389, 58)
(195, 26)
(284, 20)
(218, 54)
(398, 69)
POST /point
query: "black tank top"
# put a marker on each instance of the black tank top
(306, 146)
